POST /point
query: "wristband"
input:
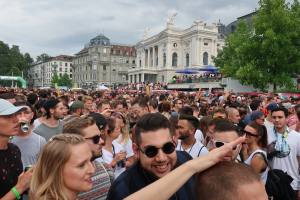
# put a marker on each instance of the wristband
(16, 193)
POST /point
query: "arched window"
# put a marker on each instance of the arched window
(187, 59)
(174, 60)
(205, 58)
(164, 59)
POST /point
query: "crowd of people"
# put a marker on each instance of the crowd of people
(206, 77)
(85, 145)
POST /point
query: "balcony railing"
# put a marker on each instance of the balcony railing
(195, 80)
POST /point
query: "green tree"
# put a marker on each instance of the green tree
(54, 80)
(267, 54)
(12, 61)
(43, 57)
(65, 81)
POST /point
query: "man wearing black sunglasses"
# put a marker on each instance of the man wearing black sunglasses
(154, 148)
(92, 128)
(226, 132)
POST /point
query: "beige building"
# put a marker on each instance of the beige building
(40, 74)
(159, 56)
(101, 62)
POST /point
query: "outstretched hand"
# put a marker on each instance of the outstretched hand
(220, 154)
(216, 155)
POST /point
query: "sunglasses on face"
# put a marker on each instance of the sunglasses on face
(96, 138)
(219, 144)
(152, 151)
(249, 134)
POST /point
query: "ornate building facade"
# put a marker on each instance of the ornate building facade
(159, 56)
(101, 62)
(40, 74)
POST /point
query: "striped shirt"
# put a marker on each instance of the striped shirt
(102, 180)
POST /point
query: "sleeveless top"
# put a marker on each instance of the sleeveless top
(264, 174)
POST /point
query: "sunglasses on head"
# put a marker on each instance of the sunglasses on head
(96, 138)
(152, 151)
(219, 144)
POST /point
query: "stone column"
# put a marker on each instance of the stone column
(143, 77)
(153, 57)
(200, 54)
(194, 51)
(149, 61)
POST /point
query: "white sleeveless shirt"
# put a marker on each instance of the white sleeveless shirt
(264, 174)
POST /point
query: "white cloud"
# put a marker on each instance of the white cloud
(63, 27)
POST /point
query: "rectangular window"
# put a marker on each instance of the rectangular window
(66, 64)
(104, 67)
(205, 43)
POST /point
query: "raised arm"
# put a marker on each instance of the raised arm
(165, 187)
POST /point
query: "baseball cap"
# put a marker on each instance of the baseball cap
(7, 108)
(99, 119)
(256, 115)
(76, 105)
(272, 106)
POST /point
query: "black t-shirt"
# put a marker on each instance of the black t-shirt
(10, 168)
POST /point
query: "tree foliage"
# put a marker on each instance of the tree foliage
(64, 80)
(269, 53)
(43, 57)
(54, 80)
(12, 61)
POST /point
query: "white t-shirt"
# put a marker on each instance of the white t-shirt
(126, 145)
(196, 150)
(268, 124)
(107, 157)
(199, 136)
(289, 163)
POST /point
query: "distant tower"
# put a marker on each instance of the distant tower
(221, 29)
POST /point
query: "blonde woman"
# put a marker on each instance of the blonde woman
(113, 153)
(124, 138)
(63, 169)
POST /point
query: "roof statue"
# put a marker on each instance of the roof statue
(146, 32)
(171, 18)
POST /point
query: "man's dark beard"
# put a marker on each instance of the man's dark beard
(183, 137)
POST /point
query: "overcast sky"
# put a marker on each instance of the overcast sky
(63, 26)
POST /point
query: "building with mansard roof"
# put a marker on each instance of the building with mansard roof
(102, 62)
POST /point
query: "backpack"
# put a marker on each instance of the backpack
(278, 184)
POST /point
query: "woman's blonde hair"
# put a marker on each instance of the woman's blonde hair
(47, 180)
(125, 129)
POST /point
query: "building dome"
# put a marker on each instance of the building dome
(99, 40)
